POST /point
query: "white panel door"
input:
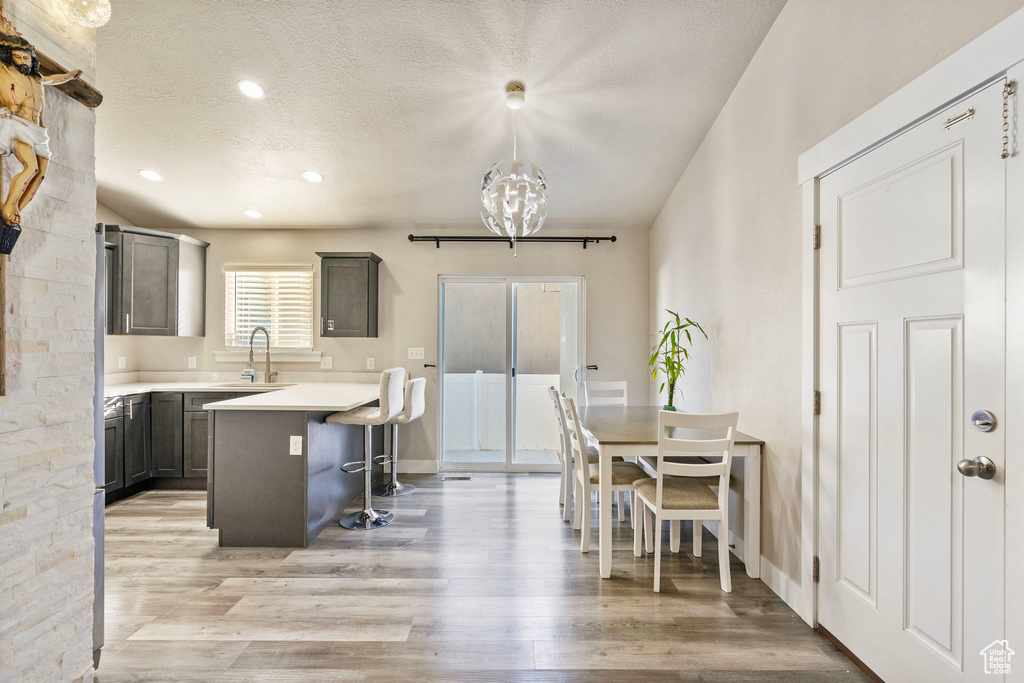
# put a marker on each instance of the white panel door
(912, 342)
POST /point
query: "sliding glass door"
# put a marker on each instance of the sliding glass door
(503, 342)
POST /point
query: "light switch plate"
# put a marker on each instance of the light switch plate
(327, 363)
(295, 445)
(191, 362)
(416, 353)
(370, 362)
(121, 363)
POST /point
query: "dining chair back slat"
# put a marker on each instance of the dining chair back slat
(606, 393)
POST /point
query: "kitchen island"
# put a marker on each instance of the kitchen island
(275, 474)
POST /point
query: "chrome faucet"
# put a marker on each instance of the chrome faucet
(269, 378)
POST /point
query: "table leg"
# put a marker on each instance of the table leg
(752, 510)
(605, 515)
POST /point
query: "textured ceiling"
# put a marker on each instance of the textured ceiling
(399, 105)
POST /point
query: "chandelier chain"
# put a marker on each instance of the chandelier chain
(1008, 90)
(515, 131)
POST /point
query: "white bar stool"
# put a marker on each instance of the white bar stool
(415, 405)
(391, 400)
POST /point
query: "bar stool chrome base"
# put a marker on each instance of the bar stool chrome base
(392, 489)
(366, 519)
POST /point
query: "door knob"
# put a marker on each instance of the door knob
(979, 467)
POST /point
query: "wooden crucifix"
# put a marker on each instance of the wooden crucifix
(23, 73)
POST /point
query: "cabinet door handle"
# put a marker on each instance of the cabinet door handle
(127, 324)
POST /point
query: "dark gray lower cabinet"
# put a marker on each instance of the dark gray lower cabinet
(164, 434)
(138, 461)
(197, 449)
(167, 415)
(113, 437)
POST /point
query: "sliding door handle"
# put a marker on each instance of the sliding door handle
(579, 372)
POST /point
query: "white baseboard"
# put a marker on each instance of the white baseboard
(417, 466)
(783, 586)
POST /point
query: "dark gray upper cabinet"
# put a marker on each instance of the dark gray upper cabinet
(348, 294)
(149, 284)
(109, 261)
(167, 416)
(156, 283)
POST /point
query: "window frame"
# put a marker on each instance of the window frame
(233, 339)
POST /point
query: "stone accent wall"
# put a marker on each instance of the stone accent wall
(46, 420)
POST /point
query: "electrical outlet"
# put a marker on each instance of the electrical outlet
(370, 363)
(415, 353)
(295, 445)
(191, 362)
(121, 363)
(326, 363)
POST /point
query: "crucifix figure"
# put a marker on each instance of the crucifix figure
(21, 121)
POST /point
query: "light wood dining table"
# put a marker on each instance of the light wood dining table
(632, 432)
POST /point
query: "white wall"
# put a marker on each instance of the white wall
(46, 419)
(726, 248)
(616, 286)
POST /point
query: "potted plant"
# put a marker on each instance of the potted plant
(671, 352)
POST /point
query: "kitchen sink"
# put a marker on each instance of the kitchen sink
(256, 385)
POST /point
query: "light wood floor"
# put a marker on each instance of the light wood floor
(477, 580)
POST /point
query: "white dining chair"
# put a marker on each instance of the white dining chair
(613, 393)
(606, 393)
(680, 490)
(587, 473)
(565, 460)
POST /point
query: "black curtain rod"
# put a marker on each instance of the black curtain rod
(437, 239)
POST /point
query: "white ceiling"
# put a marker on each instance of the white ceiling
(400, 106)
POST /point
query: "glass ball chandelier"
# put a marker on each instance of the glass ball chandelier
(514, 194)
(88, 13)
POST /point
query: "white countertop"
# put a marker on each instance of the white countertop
(116, 390)
(301, 396)
(313, 396)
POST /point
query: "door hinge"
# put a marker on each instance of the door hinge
(817, 237)
(816, 569)
(817, 403)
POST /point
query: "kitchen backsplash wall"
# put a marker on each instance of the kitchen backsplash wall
(616, 278)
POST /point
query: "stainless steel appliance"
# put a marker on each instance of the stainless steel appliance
(99, 475)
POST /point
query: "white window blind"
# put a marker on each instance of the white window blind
(279, 298)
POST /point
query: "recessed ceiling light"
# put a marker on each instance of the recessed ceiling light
(251, 89)
(253, 213)
(150, 175)
(312, 176)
